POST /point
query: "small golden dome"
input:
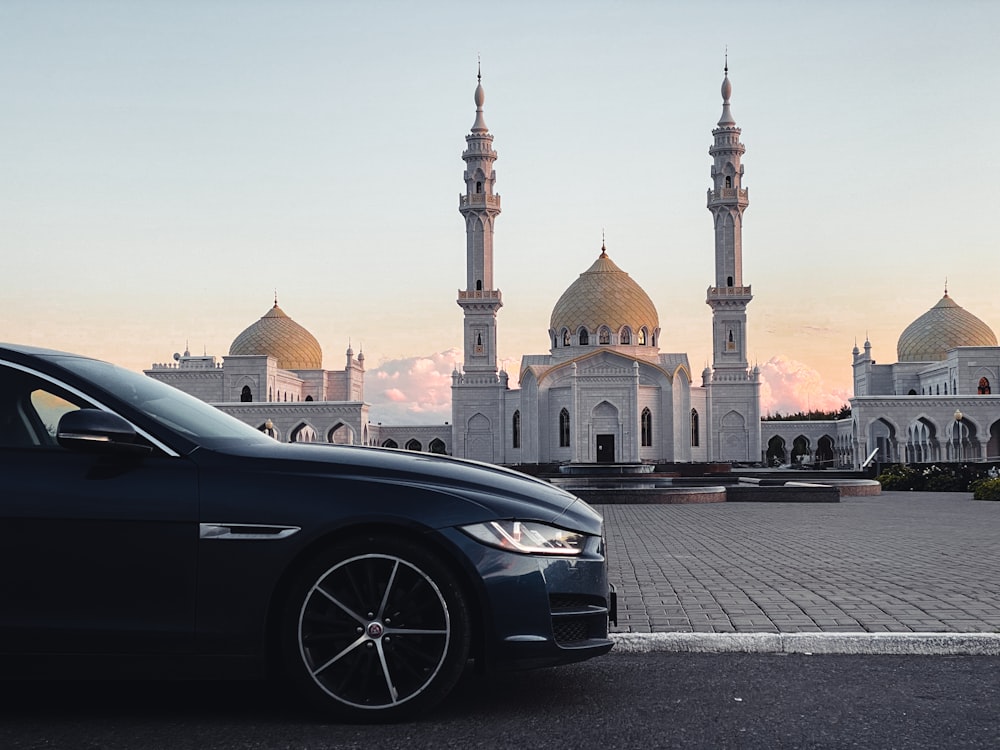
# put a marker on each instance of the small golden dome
(280, 337)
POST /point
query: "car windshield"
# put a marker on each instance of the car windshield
(187, 415)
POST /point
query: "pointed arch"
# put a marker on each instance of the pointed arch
(303, 433)
(583, 337)
(515, 429)
(695, 429)
(246, 395)
(437, 446)
(414, 445)
(625, 336)
(646, 427)
(776, 453)
(564, 427)
(340, 434)
(389, 443)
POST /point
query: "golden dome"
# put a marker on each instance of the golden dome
(943, 327)
(279, 336)
(604, 295)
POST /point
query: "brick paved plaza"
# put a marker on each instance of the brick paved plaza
(895, 562)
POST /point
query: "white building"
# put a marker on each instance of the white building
(934, 404)
(603, 393)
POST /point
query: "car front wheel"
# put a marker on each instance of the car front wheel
(377, 631)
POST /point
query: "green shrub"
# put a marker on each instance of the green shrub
(986, 489)
(900, 477)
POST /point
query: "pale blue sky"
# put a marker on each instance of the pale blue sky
(167, 165)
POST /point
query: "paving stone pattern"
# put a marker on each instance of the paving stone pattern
(896, 562)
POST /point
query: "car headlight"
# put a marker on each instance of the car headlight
(529, 537)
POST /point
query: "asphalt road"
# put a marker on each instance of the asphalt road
(659, 700)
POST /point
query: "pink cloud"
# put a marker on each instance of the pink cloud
(420, 392)
(788, 386)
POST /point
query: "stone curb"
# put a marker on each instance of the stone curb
(926, 644)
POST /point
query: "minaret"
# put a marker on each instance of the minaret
(480, 207)
(478, 392)
(734, 390)
(727, 200)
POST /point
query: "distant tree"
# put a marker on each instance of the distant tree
(810, 416)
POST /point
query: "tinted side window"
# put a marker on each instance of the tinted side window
(30, 408)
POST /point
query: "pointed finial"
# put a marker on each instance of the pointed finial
(945, 286)
(479, 68)
(479, 126)
(275, 297)
(604, 250)
(726, 68)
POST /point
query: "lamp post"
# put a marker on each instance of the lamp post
(958, 430)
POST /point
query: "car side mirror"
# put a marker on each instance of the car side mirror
(96, 431)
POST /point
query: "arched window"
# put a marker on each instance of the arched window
(309, 398)
(626, 336)
(414, 445)
(694, 428)
(914, 393)
(479, 285)
(437, 446)
(390, 443)
(642, 336)
(984, 386)
(729, 281)
(515, 429)
(647, 427)
(604, 336)
(729, 181)
(584, 337)
(246, 395)
(479, 187)
(565, 337)
(564, 429)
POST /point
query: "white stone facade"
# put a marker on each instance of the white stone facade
(604, 392)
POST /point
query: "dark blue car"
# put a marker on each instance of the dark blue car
(145, 533)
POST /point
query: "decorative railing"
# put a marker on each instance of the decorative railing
(723, 193)
(479, 199)
(729, 291)
(479, 294)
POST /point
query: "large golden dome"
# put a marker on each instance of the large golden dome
(281, 337)
(943, 327)
(604, 295)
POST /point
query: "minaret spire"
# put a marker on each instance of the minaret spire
(734, 386)
(480, 206)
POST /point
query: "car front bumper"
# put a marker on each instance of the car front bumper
(540, 610)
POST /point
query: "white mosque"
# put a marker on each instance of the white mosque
(605, 392)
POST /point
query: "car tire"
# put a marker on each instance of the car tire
(375, 631)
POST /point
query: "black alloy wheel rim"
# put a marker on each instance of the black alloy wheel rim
(374, 631)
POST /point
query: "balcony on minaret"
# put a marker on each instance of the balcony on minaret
(727, 195)
(720, 292)
(479, 200)
(478, 294)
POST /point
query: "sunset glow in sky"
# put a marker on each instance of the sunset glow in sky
(166, 166)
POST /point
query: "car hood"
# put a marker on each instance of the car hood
(500, 492)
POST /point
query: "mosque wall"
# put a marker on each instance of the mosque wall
(207, 385)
